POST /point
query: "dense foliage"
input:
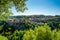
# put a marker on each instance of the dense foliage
(22, 30)
(42, 32)
(10, 30)
(39, 33)
(19, 4)
(12, 26)
(3, 38)
(6, 5)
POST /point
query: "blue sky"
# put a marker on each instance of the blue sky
(40, 7)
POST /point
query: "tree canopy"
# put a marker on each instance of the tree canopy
(6, 5)
(3, 38)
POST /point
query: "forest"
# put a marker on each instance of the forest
(11, 30)
(35, 27)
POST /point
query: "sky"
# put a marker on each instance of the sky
(40, 7)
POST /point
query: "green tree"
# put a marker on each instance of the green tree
(17, 35)
(3, 38)
(6, 5)
(42, 33)
(29, 35)
(55, 35)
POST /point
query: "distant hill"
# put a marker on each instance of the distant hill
(35, 16)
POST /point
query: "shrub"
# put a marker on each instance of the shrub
(3, 38)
